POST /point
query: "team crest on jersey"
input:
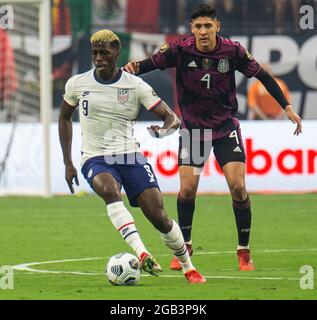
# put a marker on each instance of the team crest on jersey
(223, 65)
(123, 95)
(207, 63)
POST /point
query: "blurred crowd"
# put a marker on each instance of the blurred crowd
(244, 16)
(173, 16)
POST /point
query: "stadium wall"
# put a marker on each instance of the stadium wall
(277, 161)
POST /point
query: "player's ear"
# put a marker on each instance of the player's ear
(218, 26)
(191, 27)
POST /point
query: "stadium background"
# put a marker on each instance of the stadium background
(268, 29)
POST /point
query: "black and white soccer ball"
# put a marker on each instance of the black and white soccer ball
(123, 269)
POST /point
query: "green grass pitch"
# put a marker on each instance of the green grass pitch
(53, 231)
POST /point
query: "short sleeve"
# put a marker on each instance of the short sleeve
(147, 96)
(246, 64)
(70, 96)
(166, 56)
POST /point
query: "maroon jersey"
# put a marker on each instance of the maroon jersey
(206, 86)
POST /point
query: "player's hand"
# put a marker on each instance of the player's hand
(295, 118)
(132, 67)
(154, 131)
(70, 175)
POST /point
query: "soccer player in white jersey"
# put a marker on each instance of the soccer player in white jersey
(109, 100)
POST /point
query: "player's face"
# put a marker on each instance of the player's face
(104, 57)
(205, 30)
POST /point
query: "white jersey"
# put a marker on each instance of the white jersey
(108, 111)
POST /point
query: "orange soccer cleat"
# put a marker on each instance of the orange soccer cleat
(175, 264)
(193, 276)
(245, 261)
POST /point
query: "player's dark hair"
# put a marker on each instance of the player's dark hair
(204, 10)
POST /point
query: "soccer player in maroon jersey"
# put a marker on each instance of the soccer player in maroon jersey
(205, 77)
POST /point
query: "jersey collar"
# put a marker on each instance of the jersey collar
(118, 76)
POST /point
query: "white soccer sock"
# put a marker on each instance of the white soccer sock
(242, 247)
(175, 241)
(123, 221)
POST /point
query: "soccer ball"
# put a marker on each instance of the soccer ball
(123, 269)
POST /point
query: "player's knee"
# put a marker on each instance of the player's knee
(165, 225)
(188, 192)
(238, 191)
(109, 195)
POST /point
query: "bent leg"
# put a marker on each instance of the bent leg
(105, 185)
(151, 204)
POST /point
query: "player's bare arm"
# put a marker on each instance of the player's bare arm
(65, 137)
(273, 88)
(171, 121)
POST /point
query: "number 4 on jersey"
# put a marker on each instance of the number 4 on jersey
(208, 80)
(234, 134)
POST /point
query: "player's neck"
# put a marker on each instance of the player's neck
(209, 48)
(107, 76)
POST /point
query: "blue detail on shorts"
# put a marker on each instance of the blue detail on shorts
(132, 171)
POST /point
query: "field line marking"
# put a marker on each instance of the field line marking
(28, 266)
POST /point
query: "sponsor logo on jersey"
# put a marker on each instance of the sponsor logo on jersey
(123, 95)
(207, 63)
(86, 93)
(223, 65)
(192, 64)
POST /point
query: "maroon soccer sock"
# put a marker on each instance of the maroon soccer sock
(242, 212)
(185, 210)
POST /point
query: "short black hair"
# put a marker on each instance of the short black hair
(204, 10)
